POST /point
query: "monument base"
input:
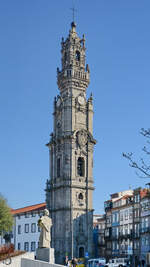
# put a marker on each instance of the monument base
(45, 254)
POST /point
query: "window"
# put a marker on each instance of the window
(137, 244)
(107, 232)
(26, 246)
(130, 214)
(126, 229)
(65, 57)
(18, 216)
(19, 246)
(78, 55)
(115, 232)
(26, 228)
(33, 228)
(136, 213)
(81, 196)
(33, 214)
(108, 219)
(19, 229)
(80, 166)
(114, 245)
(115, 217)
(126, 215)
(130, 229)
(146, 222)
(39, 229)
(121, 216)
(68, 73)
(137, 198)
(26, 215)
(121, 230)
(41, 213)
(108, 244)
(136, 229)
(143, 241)
(58, 167)
(146, 241)
(32, 246)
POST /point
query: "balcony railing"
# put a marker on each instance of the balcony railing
(114, 237)
(73, 74)
(144, 229)
(101, 231)
(125, 235)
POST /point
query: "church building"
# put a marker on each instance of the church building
(69, 190)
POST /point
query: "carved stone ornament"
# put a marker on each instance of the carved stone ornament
(82, 138)
(81, 100)
(58, 102)
(59, 123)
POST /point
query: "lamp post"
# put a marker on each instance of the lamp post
(71, 230)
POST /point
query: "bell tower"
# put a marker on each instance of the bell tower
(70, 187)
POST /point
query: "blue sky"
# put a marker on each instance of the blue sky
(118, 54)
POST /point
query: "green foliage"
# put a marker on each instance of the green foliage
(6, 218)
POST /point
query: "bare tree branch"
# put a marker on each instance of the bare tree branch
(146, 133)
(142, 167)
(146, 150)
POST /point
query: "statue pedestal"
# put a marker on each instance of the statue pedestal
(45, 254)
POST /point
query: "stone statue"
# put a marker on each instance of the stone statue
(45, 224)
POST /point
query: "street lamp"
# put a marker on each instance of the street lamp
(71, 230)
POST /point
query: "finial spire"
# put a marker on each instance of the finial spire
(73, 13)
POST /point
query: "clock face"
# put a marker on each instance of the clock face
(81, 100)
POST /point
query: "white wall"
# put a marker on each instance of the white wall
(16, 261)
(35, 263)
(25, 237)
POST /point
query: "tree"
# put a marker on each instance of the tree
(6, 218)
(143, 166)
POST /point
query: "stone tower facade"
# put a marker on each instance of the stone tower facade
(69, 192)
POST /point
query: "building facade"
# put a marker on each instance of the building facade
(118, 224)
(69, 191)
(25, 233)
(126, 226)
(145, 225)
(99, 222)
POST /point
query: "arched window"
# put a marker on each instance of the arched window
(65, 57)
(80, 166)
(81, 196)
(77, 55)
(58, 167)
(81, 252)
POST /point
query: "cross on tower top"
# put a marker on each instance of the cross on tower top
(73, 13)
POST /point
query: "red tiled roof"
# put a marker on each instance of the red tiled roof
(29, 208)
(122, 197)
